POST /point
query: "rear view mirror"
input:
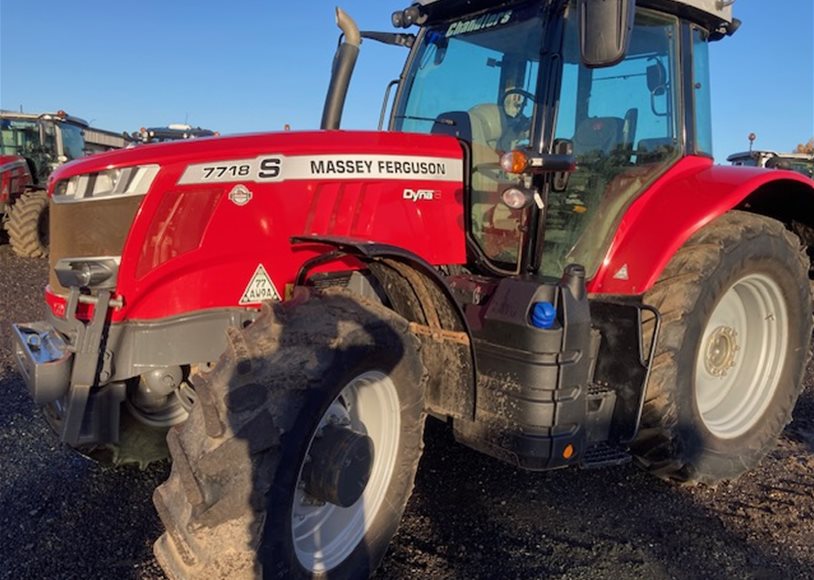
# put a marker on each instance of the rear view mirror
(604, 31)
(657, 85)
(656, 79)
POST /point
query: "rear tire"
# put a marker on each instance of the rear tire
(234, 504)
(730, 356)
(27, 225)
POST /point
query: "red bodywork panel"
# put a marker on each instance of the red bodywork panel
(15, 177)
(199, 243)
(687, 197)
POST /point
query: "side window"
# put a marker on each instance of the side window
(621, 122)
(701, 92)
(628, 106)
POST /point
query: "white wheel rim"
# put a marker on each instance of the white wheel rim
(741, 356)
(325, 535)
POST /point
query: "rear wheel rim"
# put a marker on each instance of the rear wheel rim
(324, 534)
(741, 356)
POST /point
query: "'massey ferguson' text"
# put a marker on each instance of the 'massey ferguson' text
(375, 167)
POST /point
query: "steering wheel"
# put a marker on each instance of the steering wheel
(515, 91)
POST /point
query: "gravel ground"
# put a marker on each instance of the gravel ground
(62, 516)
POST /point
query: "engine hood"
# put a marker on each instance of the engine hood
(301, 143)
(9, 159)
(214, 227)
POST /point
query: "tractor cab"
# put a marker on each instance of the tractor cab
(520, 85)
(45, 141)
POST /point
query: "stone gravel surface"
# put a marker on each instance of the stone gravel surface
(62, 516)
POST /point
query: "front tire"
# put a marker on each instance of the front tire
(730, 357)
(27, 225)
(245, 496)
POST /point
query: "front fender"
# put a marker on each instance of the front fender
(689, 196)
(421, 295)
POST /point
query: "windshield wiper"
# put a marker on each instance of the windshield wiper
(440, 121)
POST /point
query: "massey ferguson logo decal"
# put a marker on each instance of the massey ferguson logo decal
(240, 195)
(415, 195)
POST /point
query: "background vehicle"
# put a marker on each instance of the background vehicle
(41, 143)
(171, 132)
(555, 267)
(799, 162)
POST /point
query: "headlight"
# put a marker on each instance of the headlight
(88, 272)
(516, 198)
(107, 183)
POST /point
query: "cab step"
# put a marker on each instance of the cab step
(604, 455)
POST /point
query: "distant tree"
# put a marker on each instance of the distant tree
(807, 148)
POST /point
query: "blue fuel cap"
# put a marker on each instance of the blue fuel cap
(543, 315)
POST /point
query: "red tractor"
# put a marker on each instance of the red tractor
(539, 252)
(15, 180)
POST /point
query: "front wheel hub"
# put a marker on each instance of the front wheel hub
(340, 464)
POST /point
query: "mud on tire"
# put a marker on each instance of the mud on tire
(229, 504)
(27, 225)
(718, 396)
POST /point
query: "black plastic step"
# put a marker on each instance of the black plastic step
(599, 390)
(604, 455)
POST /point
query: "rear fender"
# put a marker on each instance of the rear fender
(15, 178)
(416, 291)
(691, 195)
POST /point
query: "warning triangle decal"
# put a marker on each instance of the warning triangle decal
(260, 288)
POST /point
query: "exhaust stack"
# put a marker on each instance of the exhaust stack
(344, 61)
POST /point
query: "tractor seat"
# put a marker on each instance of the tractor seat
(486, 131)
(654, 150)
(486, 210)
(598, 136)
(487, 127)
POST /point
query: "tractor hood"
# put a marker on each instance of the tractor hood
(288, 143)
(6, 159)
(208, 223)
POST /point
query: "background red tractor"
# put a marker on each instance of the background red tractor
(36, 144)
(539, 252)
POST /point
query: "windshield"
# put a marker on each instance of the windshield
(472, 78)
(73, 143)
(23, 137)
(19, 137)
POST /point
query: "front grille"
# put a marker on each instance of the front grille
(89, 228)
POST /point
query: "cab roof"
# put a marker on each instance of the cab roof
(58, 116)
(713, 14)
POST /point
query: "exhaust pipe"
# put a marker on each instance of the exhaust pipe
(344, 61)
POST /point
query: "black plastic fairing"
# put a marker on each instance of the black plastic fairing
(533, 382)
(549, 397)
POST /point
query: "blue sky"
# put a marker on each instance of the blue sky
(255, 65)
